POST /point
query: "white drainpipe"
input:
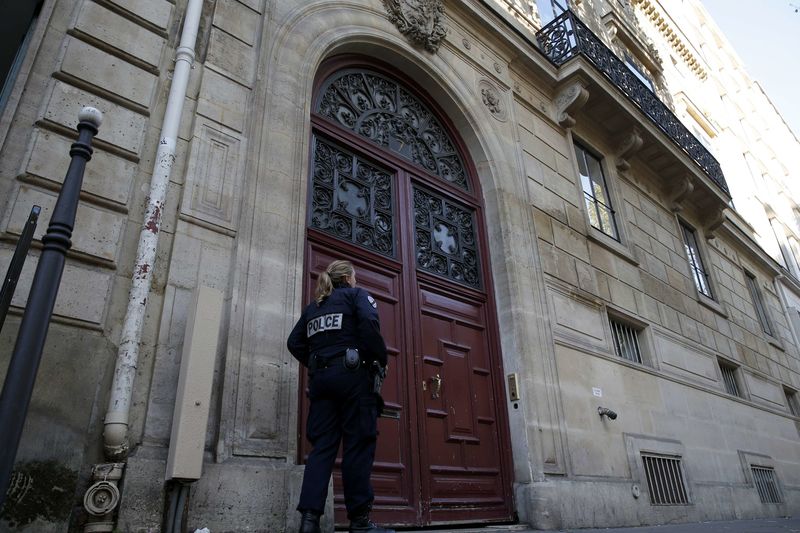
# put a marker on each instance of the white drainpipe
(115, 434)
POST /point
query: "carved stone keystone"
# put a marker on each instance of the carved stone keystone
(421, 21)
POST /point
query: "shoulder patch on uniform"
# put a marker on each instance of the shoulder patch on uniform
(372, 301)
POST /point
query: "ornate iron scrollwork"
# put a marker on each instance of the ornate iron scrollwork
(352, 199)
(445, 238)
(379, 109)
(566, 36)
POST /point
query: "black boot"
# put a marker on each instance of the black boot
(309, 523)
(361, 524)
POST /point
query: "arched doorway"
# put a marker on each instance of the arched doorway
(391, 188)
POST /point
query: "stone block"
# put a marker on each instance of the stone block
(550, 203)
(97, 232)
(154, 11)
(586, 278)
(232, 56)
(49, 159)
(533, 167)
(565, 267)
(647, 307)
(656, 268)
(552, 136)
(622, 295)
(764, 391)
(679, 357)
(238, 20)
(600, 257)
(118, 32)
(630, 274)
(570, 241)
(82, 295)
(543, 224)
(255, 5)
(90, 64)
(563, 187)
(222, 100)
(121, 127)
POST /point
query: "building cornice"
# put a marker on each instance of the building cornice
(660, 21)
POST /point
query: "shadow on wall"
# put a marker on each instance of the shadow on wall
(39, 490)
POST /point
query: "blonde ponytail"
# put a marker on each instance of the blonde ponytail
(337, 272)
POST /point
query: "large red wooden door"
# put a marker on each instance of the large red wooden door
(391, 191)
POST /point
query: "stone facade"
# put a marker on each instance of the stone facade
(235, 220)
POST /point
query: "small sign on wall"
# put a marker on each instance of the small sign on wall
(597, 391)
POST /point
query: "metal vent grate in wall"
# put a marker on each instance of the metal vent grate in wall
(626, 341)
(764, 479)
(665, 480)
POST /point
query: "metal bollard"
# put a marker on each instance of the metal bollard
(21, 376)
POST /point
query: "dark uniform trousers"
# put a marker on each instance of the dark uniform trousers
(343, 407)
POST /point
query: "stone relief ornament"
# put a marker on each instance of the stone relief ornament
(422, 21)
(492, 101)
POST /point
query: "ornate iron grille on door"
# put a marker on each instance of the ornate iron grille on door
(352, 199)
(379, 109)
(444, 236)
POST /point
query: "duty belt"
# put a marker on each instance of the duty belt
(320, 363)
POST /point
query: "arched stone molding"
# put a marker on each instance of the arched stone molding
(259, 413)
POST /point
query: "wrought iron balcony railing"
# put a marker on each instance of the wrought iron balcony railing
(567, 37)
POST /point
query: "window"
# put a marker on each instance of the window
(767, 486)
(626, 340)
(595, 192)
(792, 401)
(699, 272)
(665, 479)
(729, 378)
(758, 302)
(549, 9)
(641, 76)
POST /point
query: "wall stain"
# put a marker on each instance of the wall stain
(39, 490)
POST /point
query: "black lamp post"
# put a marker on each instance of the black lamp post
(18, 386)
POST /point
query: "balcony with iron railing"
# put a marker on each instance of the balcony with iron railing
(566, 38)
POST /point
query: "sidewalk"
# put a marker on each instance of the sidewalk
(763, 525)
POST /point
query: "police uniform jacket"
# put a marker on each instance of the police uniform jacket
(347, 318)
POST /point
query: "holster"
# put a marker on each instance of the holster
(378, 375)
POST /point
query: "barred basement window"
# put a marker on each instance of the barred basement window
(665, 480)
(764, 479)
(626, 340)
(729, 378)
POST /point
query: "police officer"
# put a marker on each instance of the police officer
(338, 337)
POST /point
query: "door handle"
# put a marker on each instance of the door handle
(437, 386)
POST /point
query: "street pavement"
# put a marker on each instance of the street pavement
(763, 525)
